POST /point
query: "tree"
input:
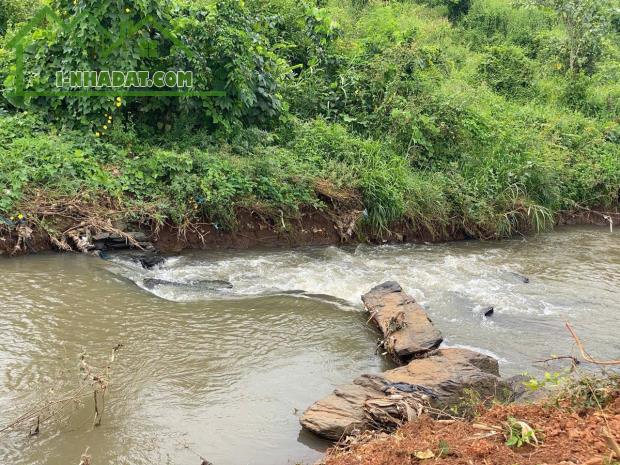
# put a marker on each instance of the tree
(587, 22)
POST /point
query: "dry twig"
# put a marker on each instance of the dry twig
(611, 442)
(95, 383)
(583, 352)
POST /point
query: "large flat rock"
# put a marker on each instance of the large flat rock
(407, 330)
(340, 413)
(448, 376)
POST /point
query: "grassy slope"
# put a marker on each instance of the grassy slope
(475, 126)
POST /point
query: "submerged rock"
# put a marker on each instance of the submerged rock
(446, 377)
(206, 285)
(488, 311)
(407, 330)
(520, 277)
(150, 260)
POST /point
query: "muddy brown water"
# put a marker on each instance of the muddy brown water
(224, 374)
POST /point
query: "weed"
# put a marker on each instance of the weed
(518, 433)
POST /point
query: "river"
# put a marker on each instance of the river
(224, 374)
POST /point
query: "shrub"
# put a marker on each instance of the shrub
(496, 21)
(456, 8)
(13, 12)
(507, 70)
(230, 54)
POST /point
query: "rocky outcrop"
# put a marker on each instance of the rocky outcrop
(429, 379)
(446, 378)
(407, 330)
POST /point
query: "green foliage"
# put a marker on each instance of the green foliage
(232, 54)
(50, 49)
(456, 8)
(14, 12)
(228, 52)
(591, 391)
(519, 433)
(587, 23)
(507, 70)
(553, 379)
(439, 115)
(499, 21)
(33, 158)
(444, 449)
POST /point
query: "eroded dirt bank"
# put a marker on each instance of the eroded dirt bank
(312, 227)
(253, 230)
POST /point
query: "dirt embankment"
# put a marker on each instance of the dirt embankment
(310, 227)
(565, 436)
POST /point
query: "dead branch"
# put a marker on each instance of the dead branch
(575, 360)
(85, 458)
(611, 442)
(583, 352)
(94, 383)
(77, 217)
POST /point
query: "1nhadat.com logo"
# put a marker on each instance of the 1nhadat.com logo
(119, 79)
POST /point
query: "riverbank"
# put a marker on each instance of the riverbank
(57, 231)
(574, 431)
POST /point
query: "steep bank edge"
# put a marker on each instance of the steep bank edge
(310, 228)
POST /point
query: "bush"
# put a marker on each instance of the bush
(456, 8)
(13, 12)
(230, 54)
(496, 21)
(507, 70)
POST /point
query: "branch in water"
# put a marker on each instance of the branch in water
(583, 352)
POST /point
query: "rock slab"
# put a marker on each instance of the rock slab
(447, 375)
(407, 330)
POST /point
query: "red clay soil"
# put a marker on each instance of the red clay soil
(565, 438)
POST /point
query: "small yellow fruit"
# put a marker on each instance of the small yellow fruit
(118, 104)
(20, 217)
(97, 134)
(105, 127)
(127, 10)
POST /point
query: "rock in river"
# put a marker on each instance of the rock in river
(407, 330)
(204, 285)
(488, 311)
(446, 376)
(150, 260)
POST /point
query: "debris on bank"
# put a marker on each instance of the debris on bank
(568, 433)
